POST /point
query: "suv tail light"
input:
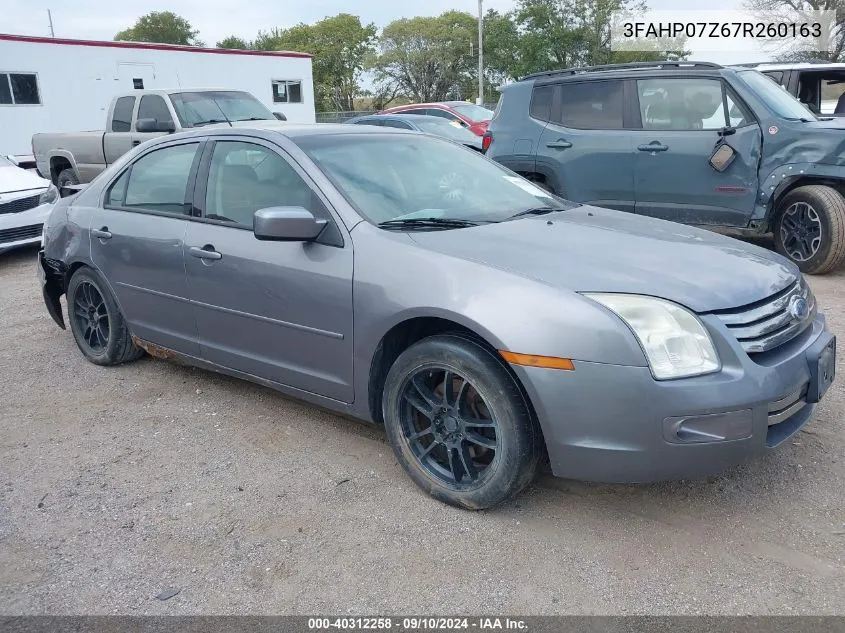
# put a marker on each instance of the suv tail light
(486, 141)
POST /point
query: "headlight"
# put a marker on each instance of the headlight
(673, 339)
(49, 196)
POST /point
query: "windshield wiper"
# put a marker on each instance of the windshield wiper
(209, 122)
(254, 118)
(535, 211)
(426, 223)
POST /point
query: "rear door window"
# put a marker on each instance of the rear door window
(122, 117)
(158, 181)
(590, 105)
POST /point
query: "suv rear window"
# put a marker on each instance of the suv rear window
(541, 102)
(595, 105)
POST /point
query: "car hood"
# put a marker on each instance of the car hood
(587, 249)
(13, 179)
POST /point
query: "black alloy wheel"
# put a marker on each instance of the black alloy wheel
(459, 423)
(448, 427)
(92, 317)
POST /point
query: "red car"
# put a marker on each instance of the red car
(474, 117)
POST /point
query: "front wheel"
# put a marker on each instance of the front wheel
(459, 424)
(66, 177)
(810, 228)
(98, 326)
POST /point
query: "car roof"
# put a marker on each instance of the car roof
(423, 105)
(406, 117)
(289, 130)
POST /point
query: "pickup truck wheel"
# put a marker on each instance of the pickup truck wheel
(810, 228)
(458, 423)
(66, 177)
(98, 326)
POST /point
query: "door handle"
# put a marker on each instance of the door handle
(136, 143)
(101, 234)
(654, 146)
(559, 144)
(206, 252)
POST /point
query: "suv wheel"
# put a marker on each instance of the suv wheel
(810, 228)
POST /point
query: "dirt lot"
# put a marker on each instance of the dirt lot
(119, 484)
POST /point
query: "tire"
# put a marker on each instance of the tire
(487, 450)
(820, 210)
(66, 177)
(109, 345)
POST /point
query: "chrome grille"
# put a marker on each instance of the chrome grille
(767, 324)
(21, 204)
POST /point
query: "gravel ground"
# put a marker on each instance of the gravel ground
(120, 486)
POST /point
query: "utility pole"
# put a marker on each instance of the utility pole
(480, 100)
(50, 17)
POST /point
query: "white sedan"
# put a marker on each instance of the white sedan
(25, 203)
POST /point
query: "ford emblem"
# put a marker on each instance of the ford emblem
(799, 308)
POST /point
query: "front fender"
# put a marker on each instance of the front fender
(781, 178)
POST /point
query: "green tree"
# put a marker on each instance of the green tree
(427, 58)
(803, 11)
(566, 33)
(340, 45)
(163, 27)
(233, 41)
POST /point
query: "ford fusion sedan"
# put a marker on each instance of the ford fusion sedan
(411, 282)
(25, 202)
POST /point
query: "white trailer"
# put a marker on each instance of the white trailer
(62, 85)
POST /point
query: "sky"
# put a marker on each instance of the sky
(215, 19)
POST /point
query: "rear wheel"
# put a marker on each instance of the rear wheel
(810, 228)
(66, 177)
(98, 326)
(458, 423)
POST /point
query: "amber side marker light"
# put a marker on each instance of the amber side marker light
(530, 360)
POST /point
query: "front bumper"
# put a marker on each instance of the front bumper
(23, 228)
(616, 424)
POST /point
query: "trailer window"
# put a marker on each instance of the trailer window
(287, 91)
(19, 89)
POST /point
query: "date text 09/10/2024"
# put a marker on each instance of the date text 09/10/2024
(416, 624)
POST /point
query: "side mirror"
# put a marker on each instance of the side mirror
(154, 125)
(65, 191)
(722, 157)
(280, 116)
(286, 224)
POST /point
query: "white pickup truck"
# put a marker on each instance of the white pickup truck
(73, 158)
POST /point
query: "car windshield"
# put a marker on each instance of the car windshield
(473, 112)
(5, 162)
(198, 108)
(778, 99)
(447, 129)
(406, 177)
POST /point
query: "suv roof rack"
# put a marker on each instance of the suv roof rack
(629, 66)
(776, 63)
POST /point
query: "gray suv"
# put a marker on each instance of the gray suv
(691, 142)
